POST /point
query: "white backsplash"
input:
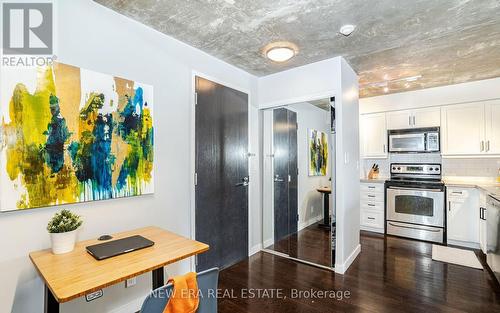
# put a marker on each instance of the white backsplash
(451, 167)
(471, 167)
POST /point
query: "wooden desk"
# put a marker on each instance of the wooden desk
(77, 273)
(326, 191)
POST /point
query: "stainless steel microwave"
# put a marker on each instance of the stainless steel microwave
(414, 140)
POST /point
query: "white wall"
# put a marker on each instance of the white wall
(347, 182)
(96, 38)
(309, 199)
(309, 82)
(452, 94)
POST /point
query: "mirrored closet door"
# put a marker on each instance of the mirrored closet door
(298, 201)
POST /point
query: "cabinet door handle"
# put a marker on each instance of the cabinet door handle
(384, 148)
(371, 218)
(414, 120)
(449, 206)
(482, 145)
(487, 146)
(409, 120)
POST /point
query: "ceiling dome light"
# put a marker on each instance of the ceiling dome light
(346, 30)
(280, 51)
(280, 54)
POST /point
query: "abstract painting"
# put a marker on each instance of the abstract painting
(318, 152)
(73, 135)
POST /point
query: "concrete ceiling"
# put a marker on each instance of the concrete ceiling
(446, 42)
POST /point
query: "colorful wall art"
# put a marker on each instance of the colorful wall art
(72, 135)
(318, 153)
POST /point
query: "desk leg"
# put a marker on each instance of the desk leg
(326, 212)
(51, 304)
(158, 279)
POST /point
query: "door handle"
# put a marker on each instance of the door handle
(277, 179)
(244, 182)
(481, 213)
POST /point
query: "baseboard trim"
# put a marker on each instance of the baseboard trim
(255, 249)
(268, 243)
(309, 222)
(466, 244)
(342, 268)
(372, 229)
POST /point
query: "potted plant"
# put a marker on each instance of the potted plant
(62, 228)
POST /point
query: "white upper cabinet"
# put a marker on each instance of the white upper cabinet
(492, 117)
(471, 129)
(373, 135)
(463, 129)
(399, 119)
(426, 117)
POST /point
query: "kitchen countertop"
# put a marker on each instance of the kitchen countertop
(489, 186)
(380, 180)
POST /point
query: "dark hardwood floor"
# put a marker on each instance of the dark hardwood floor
(310, 244)
(389, 275)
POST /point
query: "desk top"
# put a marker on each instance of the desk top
(77, 273)
(324, 190)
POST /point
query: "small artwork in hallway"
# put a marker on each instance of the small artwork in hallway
(73, 135)
(318, 152)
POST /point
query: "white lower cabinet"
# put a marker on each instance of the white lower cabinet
(462, 214)
(483, 197)
(372, 207)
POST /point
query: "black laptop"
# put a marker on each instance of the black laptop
(120, 246)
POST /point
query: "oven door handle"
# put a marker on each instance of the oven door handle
(415, 189)
(431, 230)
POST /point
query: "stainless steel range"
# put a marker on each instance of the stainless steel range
(416, 202)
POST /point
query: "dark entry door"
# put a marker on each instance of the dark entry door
(222, 174)
(285, 175)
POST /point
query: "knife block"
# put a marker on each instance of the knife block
(373, 174)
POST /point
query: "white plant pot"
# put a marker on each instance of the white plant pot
(63, 242)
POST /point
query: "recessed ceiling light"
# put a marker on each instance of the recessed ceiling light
(281, 51)
(280, 54)
(386, 89)
(347, 29)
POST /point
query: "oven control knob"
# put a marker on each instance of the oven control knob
(399, 168)
(431, 169)
(394, 168)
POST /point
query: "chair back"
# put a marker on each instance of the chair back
(207, 284)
